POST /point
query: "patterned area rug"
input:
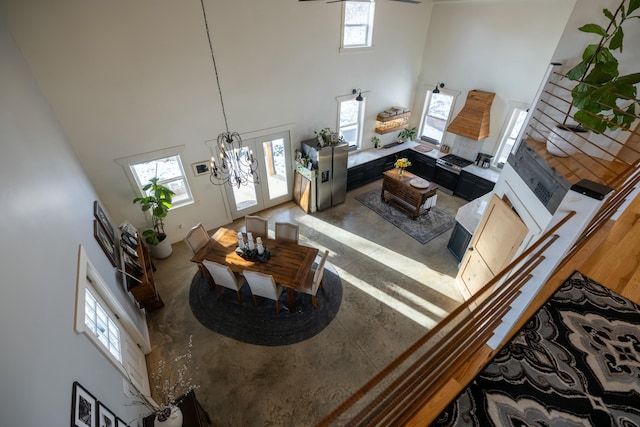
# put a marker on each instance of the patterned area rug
(423, 228)
(575, 363)
(261, 325)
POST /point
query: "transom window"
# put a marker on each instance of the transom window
(511, 130)
(350, 114)
(100, 324)
(170, 172)
(435, 116)
(357, 30)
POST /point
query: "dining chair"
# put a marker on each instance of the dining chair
(287, 231)
(264, 286)
(223, 276)
(196, 238)
(256, 225)
(314, 282)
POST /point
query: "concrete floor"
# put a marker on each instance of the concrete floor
(395, 289)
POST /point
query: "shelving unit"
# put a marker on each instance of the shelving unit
(138, 270)
(391, 123)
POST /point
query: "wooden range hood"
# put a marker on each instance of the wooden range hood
(474, 120)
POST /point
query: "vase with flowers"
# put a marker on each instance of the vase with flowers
(401, 164)
(170, 383)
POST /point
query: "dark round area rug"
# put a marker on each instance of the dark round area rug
(261, 325)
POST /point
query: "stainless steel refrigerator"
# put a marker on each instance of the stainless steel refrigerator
(331, 165)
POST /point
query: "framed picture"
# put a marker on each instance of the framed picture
(98, 212)
(105, 418)
(200, 168)
(106, 244)
(83, 407)
(120, 423)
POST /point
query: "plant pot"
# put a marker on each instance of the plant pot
(174, 419)
(565, 140)
(161, 250)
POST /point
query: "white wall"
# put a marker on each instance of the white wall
(500, 46)
(127, 77)
(47, 212)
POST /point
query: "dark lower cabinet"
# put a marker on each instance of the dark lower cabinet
(423, 166)
(470, 186)
(459, 241)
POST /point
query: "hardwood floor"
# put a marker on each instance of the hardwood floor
(611, 257)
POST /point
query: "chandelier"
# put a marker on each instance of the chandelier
(236, 166)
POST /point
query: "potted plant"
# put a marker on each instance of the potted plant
(324, 136)
(376, 142)
(158, 201)
(407, 134)
(603, 98)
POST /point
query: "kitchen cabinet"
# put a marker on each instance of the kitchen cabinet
(471, 187)
(423, 166)
(365, 173)
(459, 241)
(302, 192)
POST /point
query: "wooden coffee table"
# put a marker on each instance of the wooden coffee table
(399, 191)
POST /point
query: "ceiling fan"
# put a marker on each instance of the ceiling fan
(340, 1)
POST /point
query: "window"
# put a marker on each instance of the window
(357, 30)
(169, 170)
(100, 324)
(350, 114)
(510, 132)
(437, 108)
(101, 318)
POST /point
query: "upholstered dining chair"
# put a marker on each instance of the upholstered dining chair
(196, 238)
(287, 231)
(223, 276)
(264, 286)
(256, 225)
(315, 282)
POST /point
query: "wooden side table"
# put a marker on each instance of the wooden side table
(193, 415)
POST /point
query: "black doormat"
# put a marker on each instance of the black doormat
(424, 228)
(575, 363)
(261, 325)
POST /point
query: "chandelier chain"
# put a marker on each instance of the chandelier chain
(215, 67)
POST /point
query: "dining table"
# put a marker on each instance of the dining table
(289, 262)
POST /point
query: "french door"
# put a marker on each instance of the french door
(273, 154)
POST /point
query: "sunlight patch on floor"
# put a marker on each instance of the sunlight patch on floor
(404, 265)
(385, 298)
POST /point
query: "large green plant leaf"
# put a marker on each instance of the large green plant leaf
(633, 5)
(593, 28)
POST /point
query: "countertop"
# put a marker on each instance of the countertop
(469, 215)
(360, 157)
(364, 156)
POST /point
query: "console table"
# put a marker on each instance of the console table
(398, 190)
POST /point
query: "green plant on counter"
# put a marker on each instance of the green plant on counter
(604, 99)
(375, 141)
(408, 134)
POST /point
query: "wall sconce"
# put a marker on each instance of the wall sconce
(359, 92)
(436, 89)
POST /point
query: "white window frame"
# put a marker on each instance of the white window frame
(515, 109)
(369, 28)
(128, 162)
(425, 111)
(359, 124)
(133, 342)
